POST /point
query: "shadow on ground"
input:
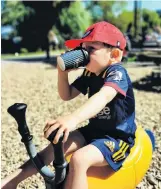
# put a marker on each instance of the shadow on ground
(39, 59)
(151, 83)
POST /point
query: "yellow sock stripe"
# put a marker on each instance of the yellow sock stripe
(120, 151)
(121, 156)
(104, 74)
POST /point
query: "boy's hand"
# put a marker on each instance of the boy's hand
(64, 126)
(64, 72)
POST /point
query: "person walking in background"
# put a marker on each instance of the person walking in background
(53, 43)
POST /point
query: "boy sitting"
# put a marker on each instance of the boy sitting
(107, 139)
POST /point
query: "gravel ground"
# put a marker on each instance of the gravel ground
(36, 85)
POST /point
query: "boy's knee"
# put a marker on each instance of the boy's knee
(78, 161)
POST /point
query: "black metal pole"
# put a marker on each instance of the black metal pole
(53, 180)
(135, 18)
(18, 112)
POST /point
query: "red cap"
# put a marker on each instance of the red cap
(103, 32)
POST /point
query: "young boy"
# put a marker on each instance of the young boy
(110, 134)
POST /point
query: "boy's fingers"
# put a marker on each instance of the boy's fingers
(45, 128)
(66, 134)
(49, 124)
(51, 129)
(58, 135)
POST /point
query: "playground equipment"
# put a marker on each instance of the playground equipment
(128, 177)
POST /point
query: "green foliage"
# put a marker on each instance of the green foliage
(124, 19)
(108, 9)
(24, 50)
(75, 19)
(13, 12)
(151, 19)
(68, 19)
(105, 10)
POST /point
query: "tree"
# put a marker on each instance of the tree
(14, 12)
(124, 19)
(105, 10)
(74, 20)
(35, 28)
(33, 20)
(68, 18)
(151, 19)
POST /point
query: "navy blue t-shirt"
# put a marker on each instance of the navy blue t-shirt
(117, 117)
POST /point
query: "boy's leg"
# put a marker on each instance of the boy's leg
(74, 142)
(81, 160)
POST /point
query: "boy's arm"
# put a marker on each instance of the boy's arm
(95, 104)
(68, 123)
(66, 91)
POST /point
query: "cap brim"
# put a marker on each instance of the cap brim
(73, 43)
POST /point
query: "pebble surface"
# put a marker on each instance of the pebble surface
(36, 85)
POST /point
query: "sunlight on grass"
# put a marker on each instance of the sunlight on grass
(31, 54)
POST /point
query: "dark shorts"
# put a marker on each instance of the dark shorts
(114, 151)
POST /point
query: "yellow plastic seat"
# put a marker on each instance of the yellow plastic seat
(132, 171)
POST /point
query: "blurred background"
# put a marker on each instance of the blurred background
(33, 34)
(32, 27)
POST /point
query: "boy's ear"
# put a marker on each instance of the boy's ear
(115, 53)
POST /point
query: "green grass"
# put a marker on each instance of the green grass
(30, 54)
(132, 59)
(43, 53)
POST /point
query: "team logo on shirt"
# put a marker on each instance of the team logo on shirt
(104, 114)
(115, 75)
(110, 145)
